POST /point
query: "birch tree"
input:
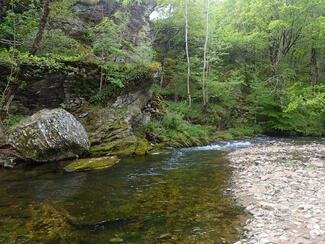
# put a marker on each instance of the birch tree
(205, 55)
(187, 56)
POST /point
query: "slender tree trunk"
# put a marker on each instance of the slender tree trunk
(101, 82)
(3, 10)
(12, 80)
(189, 97)
(162, 73)
(315, 66)
(205, 55)
(41, 28)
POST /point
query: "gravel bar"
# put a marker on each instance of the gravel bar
(283, 186)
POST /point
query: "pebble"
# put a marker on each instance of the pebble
(285, 185)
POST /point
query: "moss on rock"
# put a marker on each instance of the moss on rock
(92, 164)
(128, 146)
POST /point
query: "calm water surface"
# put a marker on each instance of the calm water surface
(176, 198)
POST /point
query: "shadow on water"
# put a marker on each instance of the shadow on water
(175, 198)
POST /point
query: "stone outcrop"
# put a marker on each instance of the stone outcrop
(111, 129)
(134, 103)
(48, 89)
(46, 92)
(138, 25)
(49, 135)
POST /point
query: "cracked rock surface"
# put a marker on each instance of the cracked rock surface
(283, 186)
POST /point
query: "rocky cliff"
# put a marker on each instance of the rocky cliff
(138, 27)
(111, 128)
(48, 89)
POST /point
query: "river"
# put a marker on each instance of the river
(179, 197)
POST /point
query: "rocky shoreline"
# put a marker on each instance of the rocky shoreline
(282, 185)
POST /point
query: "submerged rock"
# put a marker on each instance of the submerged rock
(49, 135)
(92, 164)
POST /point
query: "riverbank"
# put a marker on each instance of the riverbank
(283, 186)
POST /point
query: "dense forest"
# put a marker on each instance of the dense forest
(238, 67)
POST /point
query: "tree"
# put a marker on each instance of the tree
(41, 29)
(187, 56)
(14, 79)
(205, 55)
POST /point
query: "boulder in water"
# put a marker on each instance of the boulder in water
(87, 164)
(49, 135)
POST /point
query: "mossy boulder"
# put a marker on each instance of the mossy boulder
(127, 146)
(91, 164)
(49, 135)
(111, 134)
(106, 125)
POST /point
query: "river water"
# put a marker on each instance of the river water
(181, 197)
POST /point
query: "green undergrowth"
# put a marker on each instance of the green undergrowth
(13, 120)
(184, 126)
(174, 130)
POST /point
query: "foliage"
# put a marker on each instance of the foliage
(265, 64)
(175, 130)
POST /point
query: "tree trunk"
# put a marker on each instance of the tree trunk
(162, 73)
(315, 66)
(205, 55)
(189, 97)
(103, 59)
(3, 10)
(41, 28)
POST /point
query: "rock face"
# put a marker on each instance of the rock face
(49, 135)
(138, 25)
(135, 103)
(51, 89)
(43, 93)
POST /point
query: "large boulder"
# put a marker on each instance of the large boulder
(49, 135)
